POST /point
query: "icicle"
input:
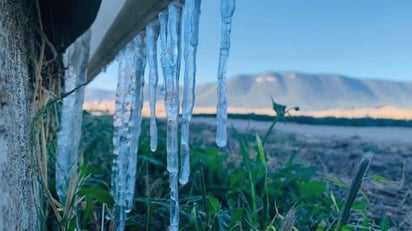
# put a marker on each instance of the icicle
(171, 66)
(174, 202)
(76, 60)
(152, 34)
(172, 86)
(135, 125)
(127, 126)
(191, 13)
(227, 7)
(121, 116)
(163, 45)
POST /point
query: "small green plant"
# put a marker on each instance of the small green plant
(281, 111)
(83, 196)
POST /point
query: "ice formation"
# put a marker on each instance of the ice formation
(171, 68)
(163, 45)
(76, 60)
(127, 126)
(129, 99)
(227, 8)
(152, 34)
(191, 14)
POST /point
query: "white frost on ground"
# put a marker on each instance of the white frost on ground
(371, 134)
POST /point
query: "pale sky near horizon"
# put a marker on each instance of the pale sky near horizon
(365, 39)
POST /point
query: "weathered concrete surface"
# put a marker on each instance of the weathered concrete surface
(131, 19)
(17, 201)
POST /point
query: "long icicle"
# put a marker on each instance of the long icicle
(191, 14)
(76, 60)
(152, 34)
(126, 122)
(163, 45)
(135, 125)
(121, 116)
(171, 72)
(227, 8)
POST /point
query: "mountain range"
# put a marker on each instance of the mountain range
(310, 92)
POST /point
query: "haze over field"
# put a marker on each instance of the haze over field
(316, 94)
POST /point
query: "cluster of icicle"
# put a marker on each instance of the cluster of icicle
(180, 17)
(76, 60)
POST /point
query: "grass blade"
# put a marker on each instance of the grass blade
(353, 191)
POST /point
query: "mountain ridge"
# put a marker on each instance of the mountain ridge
(308, 91)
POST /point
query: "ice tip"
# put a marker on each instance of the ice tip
(183, 180)
(221, 143)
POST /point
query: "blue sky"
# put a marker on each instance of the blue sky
(357, 38)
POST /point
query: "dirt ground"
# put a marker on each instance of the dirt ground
(336, 151)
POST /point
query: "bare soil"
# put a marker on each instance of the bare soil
(335, 151)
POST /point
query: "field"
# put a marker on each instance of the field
(107, 106)
(303, 170)
(335, 152)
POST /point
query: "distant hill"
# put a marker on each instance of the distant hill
(95, 94)
(310, 92)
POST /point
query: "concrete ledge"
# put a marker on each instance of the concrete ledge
(132, 19)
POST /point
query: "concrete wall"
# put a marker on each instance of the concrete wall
(17, 173)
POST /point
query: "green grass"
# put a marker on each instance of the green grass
(229, 189)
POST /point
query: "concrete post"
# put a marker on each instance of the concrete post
(17, 168)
